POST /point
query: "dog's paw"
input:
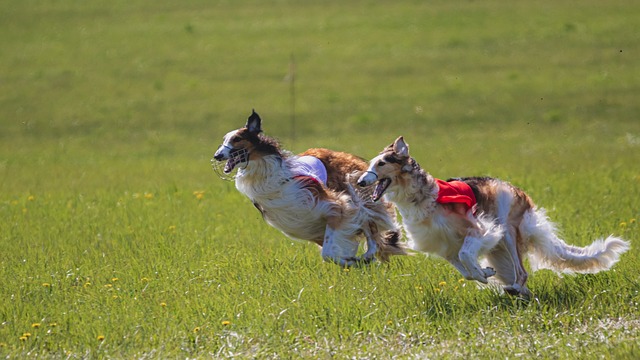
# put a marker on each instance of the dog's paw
(345, 262)
(361, 261)
(517, 290)
(488, 272)
(367, 258)
(512, 290)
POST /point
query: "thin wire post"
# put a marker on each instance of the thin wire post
(292, 93)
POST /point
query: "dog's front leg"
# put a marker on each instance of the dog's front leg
(455, 261)
(370, 233)
(338, 248)
(469, 257)
(327, 245)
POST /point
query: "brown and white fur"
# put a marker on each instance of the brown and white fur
(507, 225)
(333, 216)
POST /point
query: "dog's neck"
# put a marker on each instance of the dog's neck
(414, 192)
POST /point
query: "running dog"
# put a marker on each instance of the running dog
(311, 196)
(463, 219)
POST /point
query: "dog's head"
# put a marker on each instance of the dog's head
(241, 145)
(386, 167)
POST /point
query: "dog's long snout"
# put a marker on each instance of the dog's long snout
(361, 182)
(221, 153)
(368, 178)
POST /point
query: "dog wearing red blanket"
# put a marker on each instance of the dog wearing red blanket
(464, 219)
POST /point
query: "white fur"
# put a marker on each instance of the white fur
(431, 230)
(277, 183)
(500, 236)
(289, 207)
(299, 213)
(267, 181)
(548, 251)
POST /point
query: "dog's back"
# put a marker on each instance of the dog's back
(338, 165)
(488, 190)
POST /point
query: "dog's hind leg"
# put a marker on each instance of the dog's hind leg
(510, 242)
(500, 259)
(520, 274)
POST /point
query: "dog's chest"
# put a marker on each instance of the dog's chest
(296, 223)
(289, 209)
(432, 236)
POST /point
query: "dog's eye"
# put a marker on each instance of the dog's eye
(235, 139)
(381, 163)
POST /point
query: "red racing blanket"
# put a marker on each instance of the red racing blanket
(455, 192)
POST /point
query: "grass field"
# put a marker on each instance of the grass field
(117, 240)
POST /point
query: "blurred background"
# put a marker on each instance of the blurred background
(124, 94)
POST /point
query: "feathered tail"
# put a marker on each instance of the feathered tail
(548, 251)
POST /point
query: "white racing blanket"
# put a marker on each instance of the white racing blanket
(309, 166)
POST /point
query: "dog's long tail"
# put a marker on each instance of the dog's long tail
(548, 251)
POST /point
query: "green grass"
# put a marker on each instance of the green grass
(111, 110)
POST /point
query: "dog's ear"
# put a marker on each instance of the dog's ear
(400, 147)
(254, 123)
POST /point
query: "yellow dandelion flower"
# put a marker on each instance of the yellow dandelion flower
(442, 283)
(100, 337)
(163, 304)
(172, 228)
(2, 345)
(623, 224)
(26, 334)
(87, 284)
(461, 280)
(390, 322)
(196, 329)
(114, 279)
(148, 195)
(144, 279)
(46, 285)
(199, 194)
(632, 221)
(23, 338)
(31, 198)
(226, 323)
(346, 270)
(108, 285)
(53, 324)
(456, 288)
(35, 325)
(115, 297)
(438, 290)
